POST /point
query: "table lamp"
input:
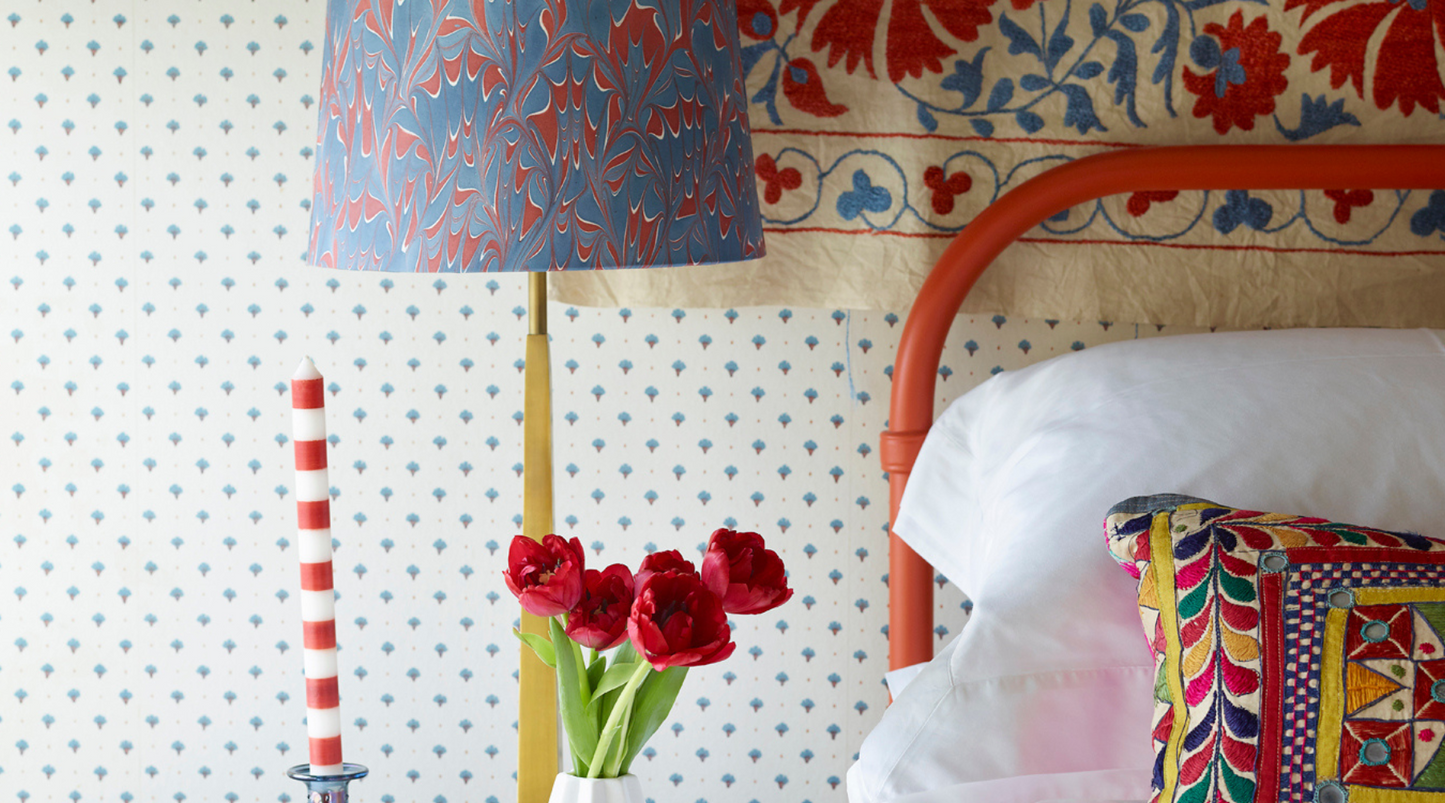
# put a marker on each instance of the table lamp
(470, 136)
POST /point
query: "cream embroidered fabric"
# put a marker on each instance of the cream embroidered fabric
(880, 129)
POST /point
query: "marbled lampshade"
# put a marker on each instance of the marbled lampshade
(532, 135)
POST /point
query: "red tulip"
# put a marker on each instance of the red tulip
(677, 621)
(546, 577)
(669, 561)
(747, 576)
(599, 621)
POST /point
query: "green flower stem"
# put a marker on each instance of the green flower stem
(614, 720)
(614, 761)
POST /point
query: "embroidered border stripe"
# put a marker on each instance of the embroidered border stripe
(1272, 704)
(1332, 699)
(1161, 545)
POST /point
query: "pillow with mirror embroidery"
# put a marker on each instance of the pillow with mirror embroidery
(1298, 660)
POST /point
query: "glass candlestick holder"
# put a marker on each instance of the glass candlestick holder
(327, 788)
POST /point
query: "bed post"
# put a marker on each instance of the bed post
(1200, 167)
(910, 578)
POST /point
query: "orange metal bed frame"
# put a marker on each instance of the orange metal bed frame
(1210, 167)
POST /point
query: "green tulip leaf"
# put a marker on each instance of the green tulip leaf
(626, 654)
(603, 701)
(614, 678)
(602, 705)
(581, 728)
(650, 710)
(540, 645)
(595, 672)
(595, 706)
(584, 678)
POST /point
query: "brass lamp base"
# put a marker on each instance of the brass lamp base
(537, 700)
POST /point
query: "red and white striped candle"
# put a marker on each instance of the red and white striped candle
(318, 601)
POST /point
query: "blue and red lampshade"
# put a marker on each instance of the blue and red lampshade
(531, 135)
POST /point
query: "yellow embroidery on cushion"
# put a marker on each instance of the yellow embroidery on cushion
(1161, 565)
(1239, 646)
(1364, 686)
(1332, 702)
(1195, 659)
(1380, 596)
(1148, 592)
(1370, 794)
(1289, 539)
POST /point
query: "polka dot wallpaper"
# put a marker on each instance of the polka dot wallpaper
(154, 303)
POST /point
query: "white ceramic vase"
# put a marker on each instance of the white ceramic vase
(571, 789)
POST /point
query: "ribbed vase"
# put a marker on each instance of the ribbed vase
(571, 789)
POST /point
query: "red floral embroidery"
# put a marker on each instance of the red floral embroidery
(803, 87)
(945, 189)
(775, 180)
(1140, 202)
(1255, 51)
(1346, 200)
(757, 19)
(1407, 68)
(849, 29)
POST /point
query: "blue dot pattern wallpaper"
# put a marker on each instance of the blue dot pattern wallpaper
(154, 302)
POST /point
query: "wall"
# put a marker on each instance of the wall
(154, 307)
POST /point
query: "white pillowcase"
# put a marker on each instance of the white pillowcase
(1008, 497)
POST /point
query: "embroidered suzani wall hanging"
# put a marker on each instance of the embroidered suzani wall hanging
(881, 129)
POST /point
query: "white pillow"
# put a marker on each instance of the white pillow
(1008, 499)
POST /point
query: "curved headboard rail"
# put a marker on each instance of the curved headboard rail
(1204, 167)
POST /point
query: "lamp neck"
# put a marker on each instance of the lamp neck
(537, 303)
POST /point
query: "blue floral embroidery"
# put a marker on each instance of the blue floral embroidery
(761, 24)
(967, 79)
(1431, 219)
(1205, 52)
(1240, 209)
(864, 197)
(1316, 116)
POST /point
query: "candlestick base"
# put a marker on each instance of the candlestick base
(327, 788)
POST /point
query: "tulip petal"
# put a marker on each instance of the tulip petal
(546, 577)
(749, 577)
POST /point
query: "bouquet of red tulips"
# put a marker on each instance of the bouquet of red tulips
(663, 620)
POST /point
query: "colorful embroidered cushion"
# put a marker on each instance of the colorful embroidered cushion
(1298, 660)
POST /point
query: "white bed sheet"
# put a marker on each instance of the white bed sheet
(1051, 677)
(1115, 786)
(1026, 737)
(899, 679)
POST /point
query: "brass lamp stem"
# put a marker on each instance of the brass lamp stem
(537, 303)
(537, 694)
